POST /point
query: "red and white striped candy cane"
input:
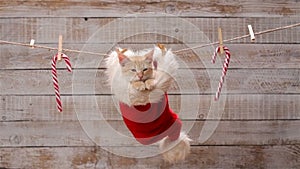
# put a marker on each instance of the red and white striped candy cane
(55, 80)
(214, 56)
(224, 70)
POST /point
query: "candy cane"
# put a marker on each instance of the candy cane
(55, 80)
(214, 56)
(224, 70)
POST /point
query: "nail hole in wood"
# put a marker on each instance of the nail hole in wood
(4, 118)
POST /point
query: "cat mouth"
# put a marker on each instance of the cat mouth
(141, 80)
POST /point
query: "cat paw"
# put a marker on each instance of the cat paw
(139, 85)
(149, 84)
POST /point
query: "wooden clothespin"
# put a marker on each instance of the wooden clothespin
(162, 48)
(31, 43)
(120, 50)
(123, 50)
(220, 40)
(251, 33)
(59, 47)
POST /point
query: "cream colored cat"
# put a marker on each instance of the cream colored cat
(142, 77)
(131, 75)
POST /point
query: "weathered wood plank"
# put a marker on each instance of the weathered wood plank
(237, 107)
(188, 81)
(133, 30)
(225, 157)
(260, 124)
(243, 56)
(116, 134)
(110, 8)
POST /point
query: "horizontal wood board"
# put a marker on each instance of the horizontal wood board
(225, 157)
(259, 56)
(136, 30)
(200, 81)
(236, 107)
(120, 8)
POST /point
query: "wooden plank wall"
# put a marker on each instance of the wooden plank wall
(260, 122)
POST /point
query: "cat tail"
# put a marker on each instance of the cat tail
(175, 151)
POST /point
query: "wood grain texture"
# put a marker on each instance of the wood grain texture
(243, 56)
(111, 31)
(237, 107)
(225, 157)
(115, 133)
(188, 81)
(257, 126)
(110, 8)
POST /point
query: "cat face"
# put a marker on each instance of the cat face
(137, 68)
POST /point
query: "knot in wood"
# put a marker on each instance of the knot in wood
(15, 139)
(4, 118)
(201, 116)
(170, 8)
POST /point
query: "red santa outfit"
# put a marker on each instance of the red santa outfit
(151, 122)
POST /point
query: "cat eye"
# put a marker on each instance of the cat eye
(145, 69)
(133, 70)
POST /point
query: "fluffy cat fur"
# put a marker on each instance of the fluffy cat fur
(175, 151)
(159, 66)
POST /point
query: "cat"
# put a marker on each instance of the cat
(125, 66)
(138, 78)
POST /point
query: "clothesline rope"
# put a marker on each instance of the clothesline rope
(177, 51)
(241, 37)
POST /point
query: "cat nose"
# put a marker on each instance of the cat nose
(140, 75)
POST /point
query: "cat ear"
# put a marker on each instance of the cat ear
(155, 64)
(122, 58)
(149, 56)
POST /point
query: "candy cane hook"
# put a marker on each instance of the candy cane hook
(224, 70)
(55, 80)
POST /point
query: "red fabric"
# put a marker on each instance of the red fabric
(151, 122)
